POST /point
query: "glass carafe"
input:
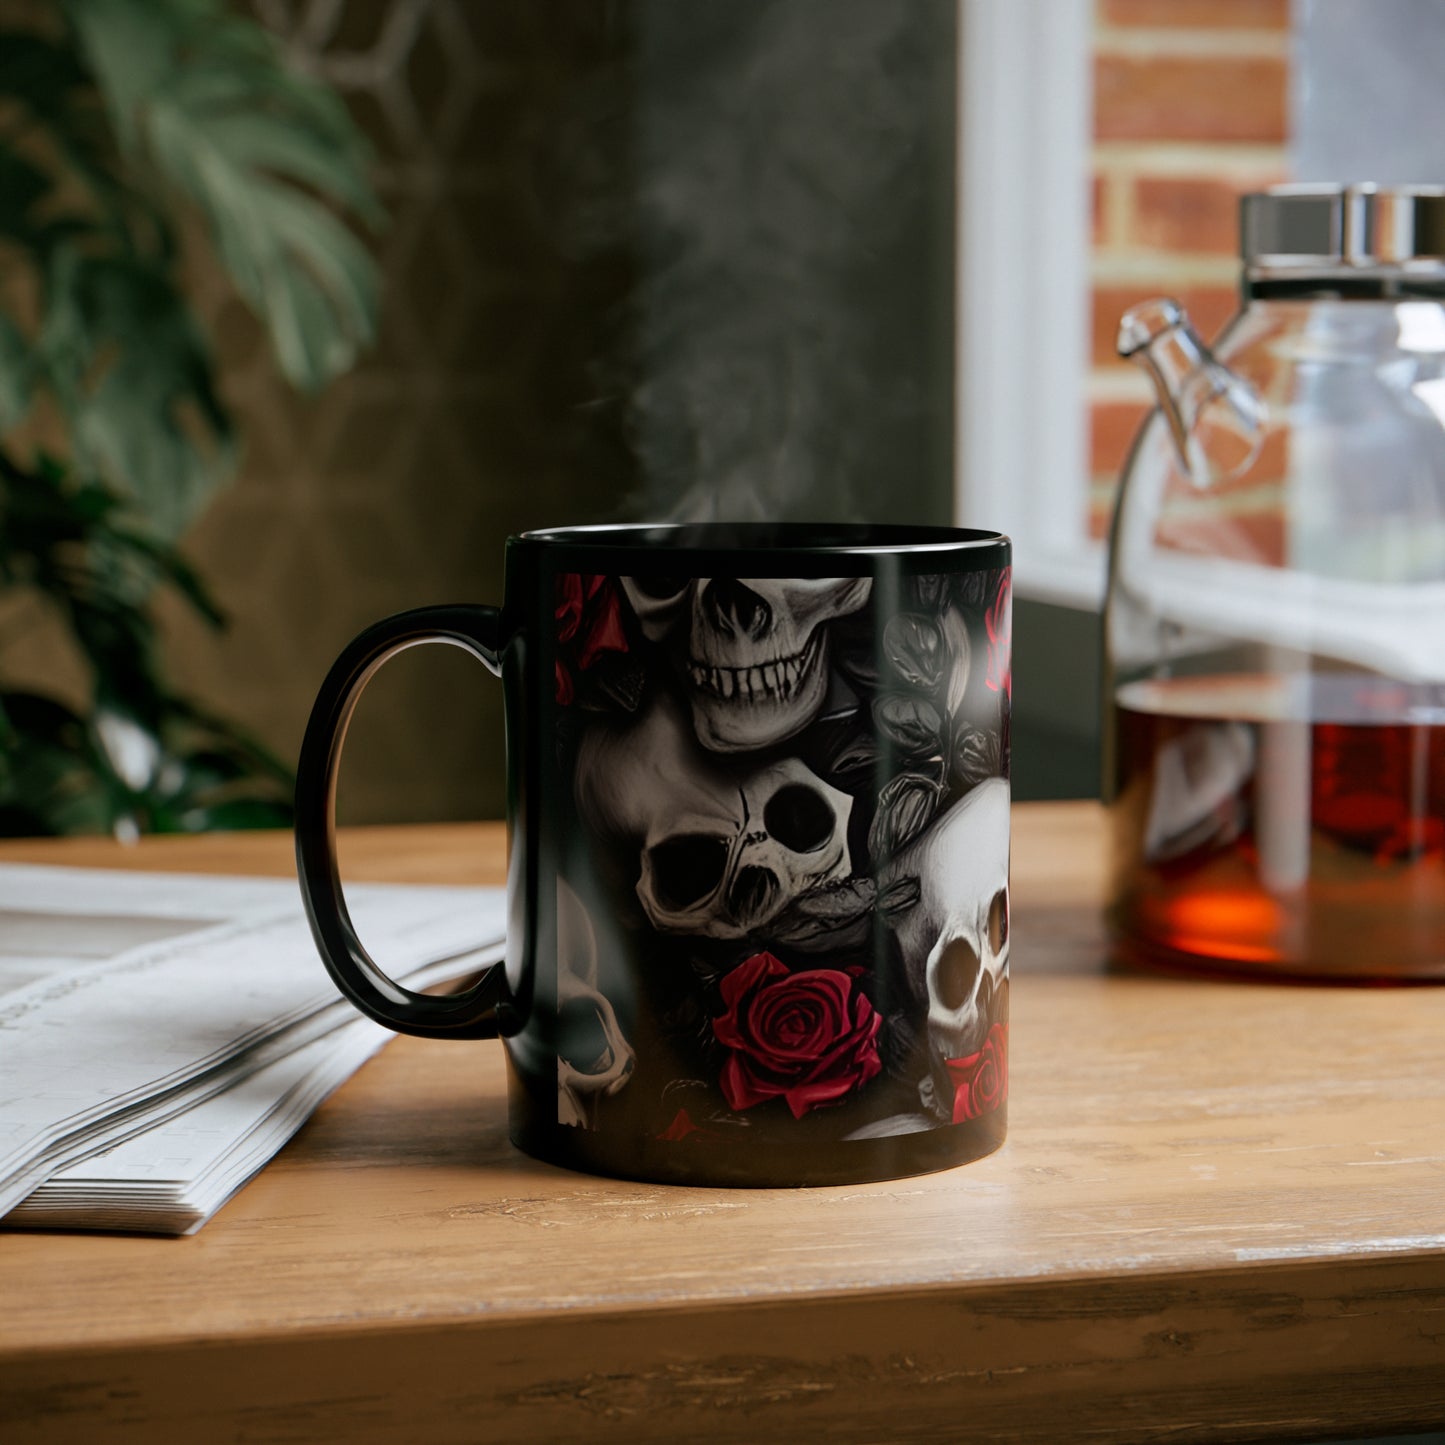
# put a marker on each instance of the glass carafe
(1275, 625)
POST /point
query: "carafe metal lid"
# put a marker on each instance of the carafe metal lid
(1333, 228)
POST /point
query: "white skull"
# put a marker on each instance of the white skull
(594, 1061)
(724, 848)
(752, 651)
(959, 928)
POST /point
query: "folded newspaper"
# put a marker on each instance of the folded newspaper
(162, 1035)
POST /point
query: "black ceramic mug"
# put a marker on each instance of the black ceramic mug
(759, 826)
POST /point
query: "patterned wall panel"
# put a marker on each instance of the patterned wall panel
(585, 196)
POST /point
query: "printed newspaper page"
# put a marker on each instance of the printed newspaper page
(129, 998)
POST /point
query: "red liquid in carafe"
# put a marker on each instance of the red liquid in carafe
(1281, 825)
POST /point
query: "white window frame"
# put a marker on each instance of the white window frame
(1025, 123)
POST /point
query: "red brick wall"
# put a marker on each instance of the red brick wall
(1190, 111)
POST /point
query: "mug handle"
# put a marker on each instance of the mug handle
(471, 1014)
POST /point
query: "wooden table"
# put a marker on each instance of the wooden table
(1220, 1213)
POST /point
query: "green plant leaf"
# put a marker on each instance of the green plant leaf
(134, 377)
(22, 186)
(136, 104)
(17, 375)
(39, 73)
(129, 47)
(217, 732)
(207, 101)
(171, 567)
(232, 814)
(71, 543)
(46, 81)
(62, 773)
(51, 784)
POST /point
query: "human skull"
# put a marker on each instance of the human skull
(752, 652)
(594, 1061)
(958, 931)
(724, 848)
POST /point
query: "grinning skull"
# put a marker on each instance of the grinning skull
(594, 1061)
(752, 652)
(724, 849)
(958, 932)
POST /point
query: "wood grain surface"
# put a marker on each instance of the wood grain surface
(1220, 1214)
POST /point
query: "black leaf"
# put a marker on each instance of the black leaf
(899, 896)
(837, 915)
(620, 681)
(855, 760)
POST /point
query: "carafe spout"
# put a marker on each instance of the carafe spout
(1216, 418)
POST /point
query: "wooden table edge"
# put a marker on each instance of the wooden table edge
(1119, 1358)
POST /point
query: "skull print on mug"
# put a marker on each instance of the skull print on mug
(722, 849)
(758, 876)
(751, 654)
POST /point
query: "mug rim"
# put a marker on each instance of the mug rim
(777, 539)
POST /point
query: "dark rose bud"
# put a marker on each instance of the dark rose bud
(899, 896)
(856, 758)
(976, 756)
(905, 808)
(912, 723)
(913, 645)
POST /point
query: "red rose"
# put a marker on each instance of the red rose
(980, 1082)
(998, 622)
(809, 1038)
(588, 612)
